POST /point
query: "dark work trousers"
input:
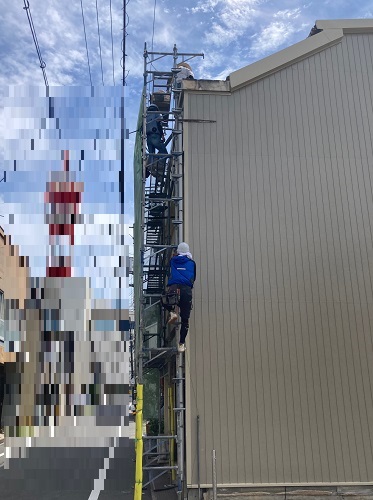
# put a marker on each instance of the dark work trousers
(185, 306)
(154, 141)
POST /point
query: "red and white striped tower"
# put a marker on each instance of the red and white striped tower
(62, 202)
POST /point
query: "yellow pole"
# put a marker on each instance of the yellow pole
(138, 443)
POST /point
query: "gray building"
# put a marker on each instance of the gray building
(278, 213)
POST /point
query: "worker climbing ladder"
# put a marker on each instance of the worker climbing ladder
(161, 223)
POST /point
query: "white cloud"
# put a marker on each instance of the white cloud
(288, 13)
(232, 20)
(220, 35)
(272, 37)
(205, 6)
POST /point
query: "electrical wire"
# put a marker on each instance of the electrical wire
(155, 5)
(33, 32)
(99, 43)
(112, 42)
(86, 45)
(123, 58)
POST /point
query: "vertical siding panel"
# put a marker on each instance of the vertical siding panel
(259, 314)
(335, 267)
(330, 334)
(268, 274)
(201, 289)
(310, 181)
(325, 143)
(283, 292)
(214, 334)
(240, 277)
(350, 252)
(290, 313)
(221, 266)
(243, 301)
(322, 332)
(275, 284)
(251, 292)
(292, 167)
(364, 107)
(315, 317)
(220, 405)
(311, 138)
(280, 344)
(362, 271)
(226, 246)
(195, 341)
(215, 397)
(233, 263)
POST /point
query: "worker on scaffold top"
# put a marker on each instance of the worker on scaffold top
(185, 73)
(181, 280)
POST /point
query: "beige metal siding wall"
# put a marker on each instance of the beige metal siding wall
(279, 207)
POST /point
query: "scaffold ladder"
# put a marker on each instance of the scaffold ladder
(162, 225)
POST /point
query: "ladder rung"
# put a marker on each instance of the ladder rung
(166, 467)
(164, 246)
(159, 437)
(156, 200)
(157, 349)
(160, 73)
(179, 409)
(154, 453)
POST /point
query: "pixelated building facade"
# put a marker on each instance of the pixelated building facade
(70, 360)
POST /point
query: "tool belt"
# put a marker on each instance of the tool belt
(171, 298)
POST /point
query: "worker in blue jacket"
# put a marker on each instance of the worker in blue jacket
(181, 279)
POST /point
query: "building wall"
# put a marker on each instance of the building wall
(279, 202)
(13, 278)
(86, 347)
(13, 284)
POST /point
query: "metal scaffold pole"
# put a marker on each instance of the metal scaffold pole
(139, 390)
(180, 422)
(161, 223)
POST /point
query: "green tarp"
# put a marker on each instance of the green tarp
(150, 378)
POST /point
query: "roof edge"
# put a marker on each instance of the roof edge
(285, 57)
(347, 25)
(208, 86)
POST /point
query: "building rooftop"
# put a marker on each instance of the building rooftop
(324, 34)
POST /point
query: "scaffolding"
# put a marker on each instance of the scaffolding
(159, 229)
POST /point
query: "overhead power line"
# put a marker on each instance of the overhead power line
(99, 43)
(124, 55)
(86, 45)
(112, 42)
(155, 5)
(33, 32)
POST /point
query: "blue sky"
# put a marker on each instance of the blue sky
(231, 34)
